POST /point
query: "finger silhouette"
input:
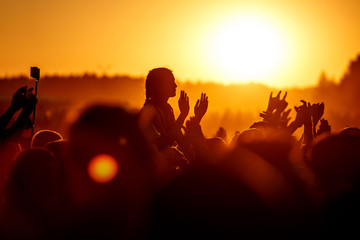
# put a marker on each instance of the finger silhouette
(278, 95)
(284, 96)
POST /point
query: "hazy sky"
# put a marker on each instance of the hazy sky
(131, 37)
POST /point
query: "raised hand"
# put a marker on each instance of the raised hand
(201, 107)
(303, 114)
(324, 127)
(25, 99)
(29, 102)
(272, 102)
(317, 111)
(284, 118)
(303, 117)
(18, 98)
(281, 103)
(184, 105)
(193, 129)
(275, 103)
(275, 108)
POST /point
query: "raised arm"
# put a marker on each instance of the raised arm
(275, 108)
(303, 117)
(22, 122)
(324, 127)
(317, 111)
(184, 108)
(16, 104)
(200, 108)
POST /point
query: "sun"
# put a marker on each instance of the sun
(247, 48)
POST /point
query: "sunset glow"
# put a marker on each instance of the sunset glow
(247, 49)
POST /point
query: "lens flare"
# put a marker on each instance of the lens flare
(103, 168)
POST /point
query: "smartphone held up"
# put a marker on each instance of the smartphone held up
(35, 73)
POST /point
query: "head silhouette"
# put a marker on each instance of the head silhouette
(42, 137)
(217, 147)
(160, 84)
(31, 180)
(107, 130)
(336, 159)
(350, 131)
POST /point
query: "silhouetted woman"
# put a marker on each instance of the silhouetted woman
(157, 117)
(158, 123)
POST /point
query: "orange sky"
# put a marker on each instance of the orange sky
(131, 37)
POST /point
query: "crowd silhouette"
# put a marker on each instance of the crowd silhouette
(150, 175)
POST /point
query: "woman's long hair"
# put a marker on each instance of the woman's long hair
(154, 81)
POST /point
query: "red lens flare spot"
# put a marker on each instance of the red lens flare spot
(103, 168)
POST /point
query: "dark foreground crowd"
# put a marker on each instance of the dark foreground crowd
(166, 180)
